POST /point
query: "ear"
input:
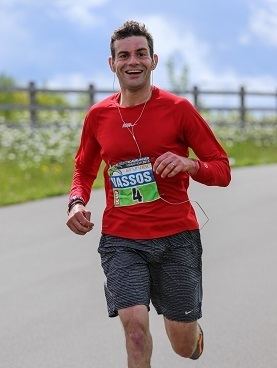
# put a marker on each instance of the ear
(111, 63)
(155, 61)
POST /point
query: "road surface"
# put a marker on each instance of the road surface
(53, 312)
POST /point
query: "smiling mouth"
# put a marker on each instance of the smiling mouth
(133, 72)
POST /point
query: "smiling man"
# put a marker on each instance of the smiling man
(150, 246)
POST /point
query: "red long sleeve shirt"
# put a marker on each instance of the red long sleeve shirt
(168, 123)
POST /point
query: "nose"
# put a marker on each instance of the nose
(133, 59)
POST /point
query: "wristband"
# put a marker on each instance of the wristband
(74, 200)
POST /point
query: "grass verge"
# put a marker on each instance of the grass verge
(50, 178)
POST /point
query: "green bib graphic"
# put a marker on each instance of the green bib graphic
(133, 182)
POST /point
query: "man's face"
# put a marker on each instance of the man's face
(132, 63)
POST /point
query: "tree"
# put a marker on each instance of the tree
(12, 99)
(178, 79)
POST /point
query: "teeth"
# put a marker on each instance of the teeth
(133, 71)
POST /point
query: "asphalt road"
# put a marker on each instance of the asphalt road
(52, 307)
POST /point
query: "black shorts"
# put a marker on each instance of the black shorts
(166, 271)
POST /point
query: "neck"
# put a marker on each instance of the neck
(132, 98)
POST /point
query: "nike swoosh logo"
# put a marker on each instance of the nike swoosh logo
(188, 312)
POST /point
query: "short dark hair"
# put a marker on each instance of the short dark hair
(132, 28)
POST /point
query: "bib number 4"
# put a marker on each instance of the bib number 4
(133, 182)
(136, 195)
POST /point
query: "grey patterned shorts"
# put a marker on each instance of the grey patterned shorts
(166, 271)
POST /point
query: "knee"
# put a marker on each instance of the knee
(136, 336)
(135, 323)
(182, 336)
(135, 332)
(136, 339)
(184, 350)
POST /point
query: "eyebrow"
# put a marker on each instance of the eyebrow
(127, 52)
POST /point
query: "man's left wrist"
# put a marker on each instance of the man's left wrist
(194, 168)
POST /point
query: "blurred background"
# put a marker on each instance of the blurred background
(53, 66)
(221, 55)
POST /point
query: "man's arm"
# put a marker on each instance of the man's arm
(211, 167)
(213, 162)
(87, 162)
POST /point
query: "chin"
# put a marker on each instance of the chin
(135, 86)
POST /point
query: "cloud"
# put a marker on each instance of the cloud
(13, 33)
(178, 44)
(230, 79)
(80, 11)
(68, 80)
(100, 79)
(20, 35)
(262, 24)
(172, 39)
(185, 47)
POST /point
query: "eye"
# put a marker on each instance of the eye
(122, 56)
(142, 53)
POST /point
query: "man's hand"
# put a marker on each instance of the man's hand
(169, 164)
(79, 220)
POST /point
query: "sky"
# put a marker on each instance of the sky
(65, 43)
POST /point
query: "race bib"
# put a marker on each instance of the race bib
(133, 182)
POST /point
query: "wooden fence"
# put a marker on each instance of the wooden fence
(195, 95)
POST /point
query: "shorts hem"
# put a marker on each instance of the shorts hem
(181, 319)
(114, 313)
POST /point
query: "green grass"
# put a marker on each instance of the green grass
(248, 153)
(50, 178)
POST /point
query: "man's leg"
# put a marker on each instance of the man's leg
(135, 321)
(176, 292)
(186, 338)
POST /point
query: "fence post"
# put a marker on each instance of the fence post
(91, 92)
(33, 103)
(195, 93)
(276, 106)
(242, 107)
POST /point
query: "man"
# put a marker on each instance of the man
(150, 246)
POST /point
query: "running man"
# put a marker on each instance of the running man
(150, 246)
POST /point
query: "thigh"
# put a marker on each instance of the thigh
(177, 281)
(127, 274)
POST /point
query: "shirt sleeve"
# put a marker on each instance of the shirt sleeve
(214, 168)
(87, 162)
